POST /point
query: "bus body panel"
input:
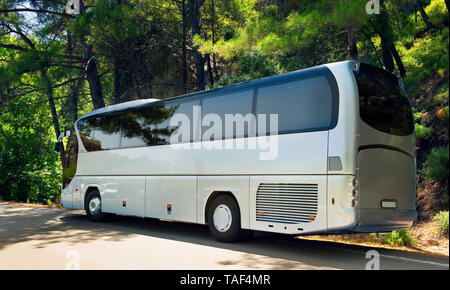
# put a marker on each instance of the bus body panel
(77, 200)
(369, 137)
(67, 195)
(171, 197)
(120, 194)
(342, 144)
(342, 138)
(123, 194)
(386, 175)
(237, 185)
(341, 215)
(300, 153)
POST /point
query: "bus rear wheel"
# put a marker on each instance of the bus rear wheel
(224, 219)
(94, 206)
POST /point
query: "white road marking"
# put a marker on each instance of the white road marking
(414, 260)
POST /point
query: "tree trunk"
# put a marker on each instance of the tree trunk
(210, 73)
(352, 48)
(184, 46)
(213, 37)
(446, 4)
(196, 18)
(75, 106)
(92, 76)
(117, 86)
(51, 103)
(74, 87)
(388, 61)
(384, 30)
(424, 15)
(398, 60)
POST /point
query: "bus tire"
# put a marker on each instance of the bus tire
(224, 219)
(94, 207)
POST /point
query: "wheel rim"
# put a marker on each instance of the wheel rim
(95, 206)
(222, 218)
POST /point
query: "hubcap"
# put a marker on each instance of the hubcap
(95, 206)
(222, 218)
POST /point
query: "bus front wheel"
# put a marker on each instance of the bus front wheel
(94, 206)
(224, 219)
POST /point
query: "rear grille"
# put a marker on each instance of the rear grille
(287, 203)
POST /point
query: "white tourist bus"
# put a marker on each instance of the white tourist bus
(340, 159)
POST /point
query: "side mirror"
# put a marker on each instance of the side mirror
(58, 146)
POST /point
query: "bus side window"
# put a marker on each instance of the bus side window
(100, 132)
(301, 106)
(145, 127)
(235, 103)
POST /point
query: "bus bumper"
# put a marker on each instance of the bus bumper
(384, 220)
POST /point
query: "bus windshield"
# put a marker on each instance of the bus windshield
(383, 104)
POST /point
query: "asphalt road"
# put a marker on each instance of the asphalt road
(43, 238)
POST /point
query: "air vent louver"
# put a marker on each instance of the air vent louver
(287, 203)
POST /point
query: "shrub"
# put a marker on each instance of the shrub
(443, 114)
(398, 238)
(436, 165)
(422, 132)
(442, 218)
(230, 79)
(437, 12)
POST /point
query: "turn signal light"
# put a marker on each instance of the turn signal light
(355, 182)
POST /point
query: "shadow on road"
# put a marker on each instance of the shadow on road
(48, 226)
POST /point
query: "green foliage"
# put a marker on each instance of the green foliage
(437, 12)
(29, 169)
(436, 165)
(422, 132)
(230, 79)
(442, 218)
(428, 56)
(257, 65)
(398, 238)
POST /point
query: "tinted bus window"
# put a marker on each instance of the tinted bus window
(236, 103)
(100, 132)
(151, 126)
(382, 103)
(146, 127)
(301, 106)
(186, 108)
(70, 159)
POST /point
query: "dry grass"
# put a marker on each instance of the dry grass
(426, 234)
